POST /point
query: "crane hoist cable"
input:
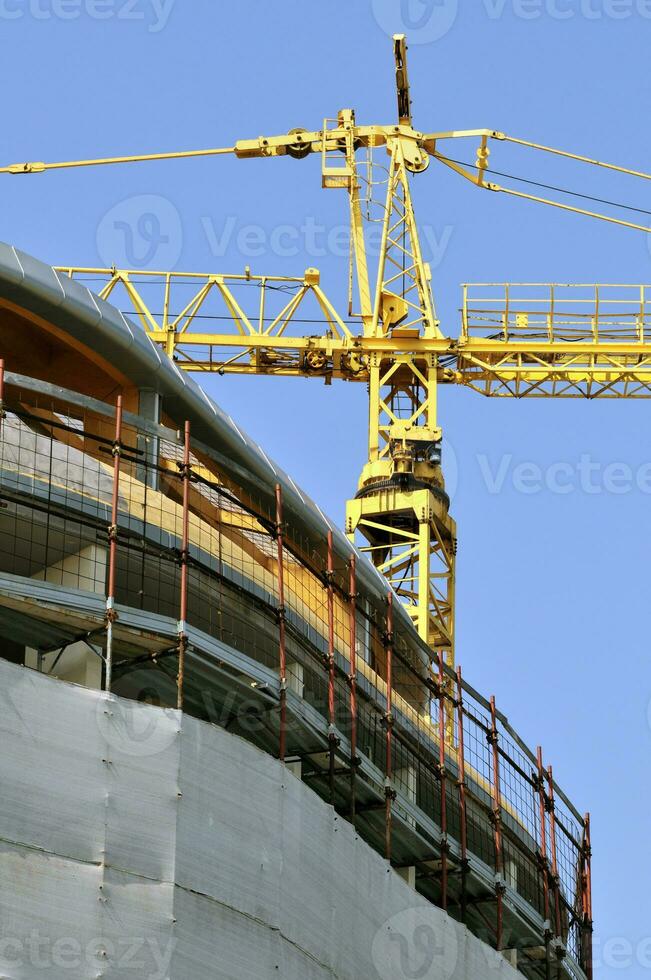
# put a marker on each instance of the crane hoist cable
(552, 187)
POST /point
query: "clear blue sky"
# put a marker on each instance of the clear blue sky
(552, 587)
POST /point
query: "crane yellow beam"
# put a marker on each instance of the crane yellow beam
(39, 167)
(516, 340)
(566, 340)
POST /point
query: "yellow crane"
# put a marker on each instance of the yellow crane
(516, 340)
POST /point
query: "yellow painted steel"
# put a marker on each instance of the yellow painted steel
(516, 340)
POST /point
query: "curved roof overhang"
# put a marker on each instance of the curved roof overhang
(72, 312)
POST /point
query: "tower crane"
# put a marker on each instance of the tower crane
(524, 340)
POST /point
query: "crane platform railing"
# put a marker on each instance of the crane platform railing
(557, 312)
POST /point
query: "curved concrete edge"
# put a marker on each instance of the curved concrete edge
(73, 308)
(131, 834)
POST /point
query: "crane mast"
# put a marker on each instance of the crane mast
(401, 508)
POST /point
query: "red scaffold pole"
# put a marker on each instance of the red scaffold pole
(113, 543)
(463, 813)
(497, 825)
(2, 391)
(185, 546)
(352, 680)
(442, 777)
(388, 722)
(552, 834)
(332, 733)
(544, 864)
(587, 858)
(282, 650)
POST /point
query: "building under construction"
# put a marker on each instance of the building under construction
(225, 751)
(237, 742)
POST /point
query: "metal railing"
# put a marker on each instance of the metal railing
(557, 312)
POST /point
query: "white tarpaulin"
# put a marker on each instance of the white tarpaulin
(134, 846)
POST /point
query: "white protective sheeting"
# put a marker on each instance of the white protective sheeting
(134, 847)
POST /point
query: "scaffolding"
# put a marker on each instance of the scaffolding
(146, 517)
